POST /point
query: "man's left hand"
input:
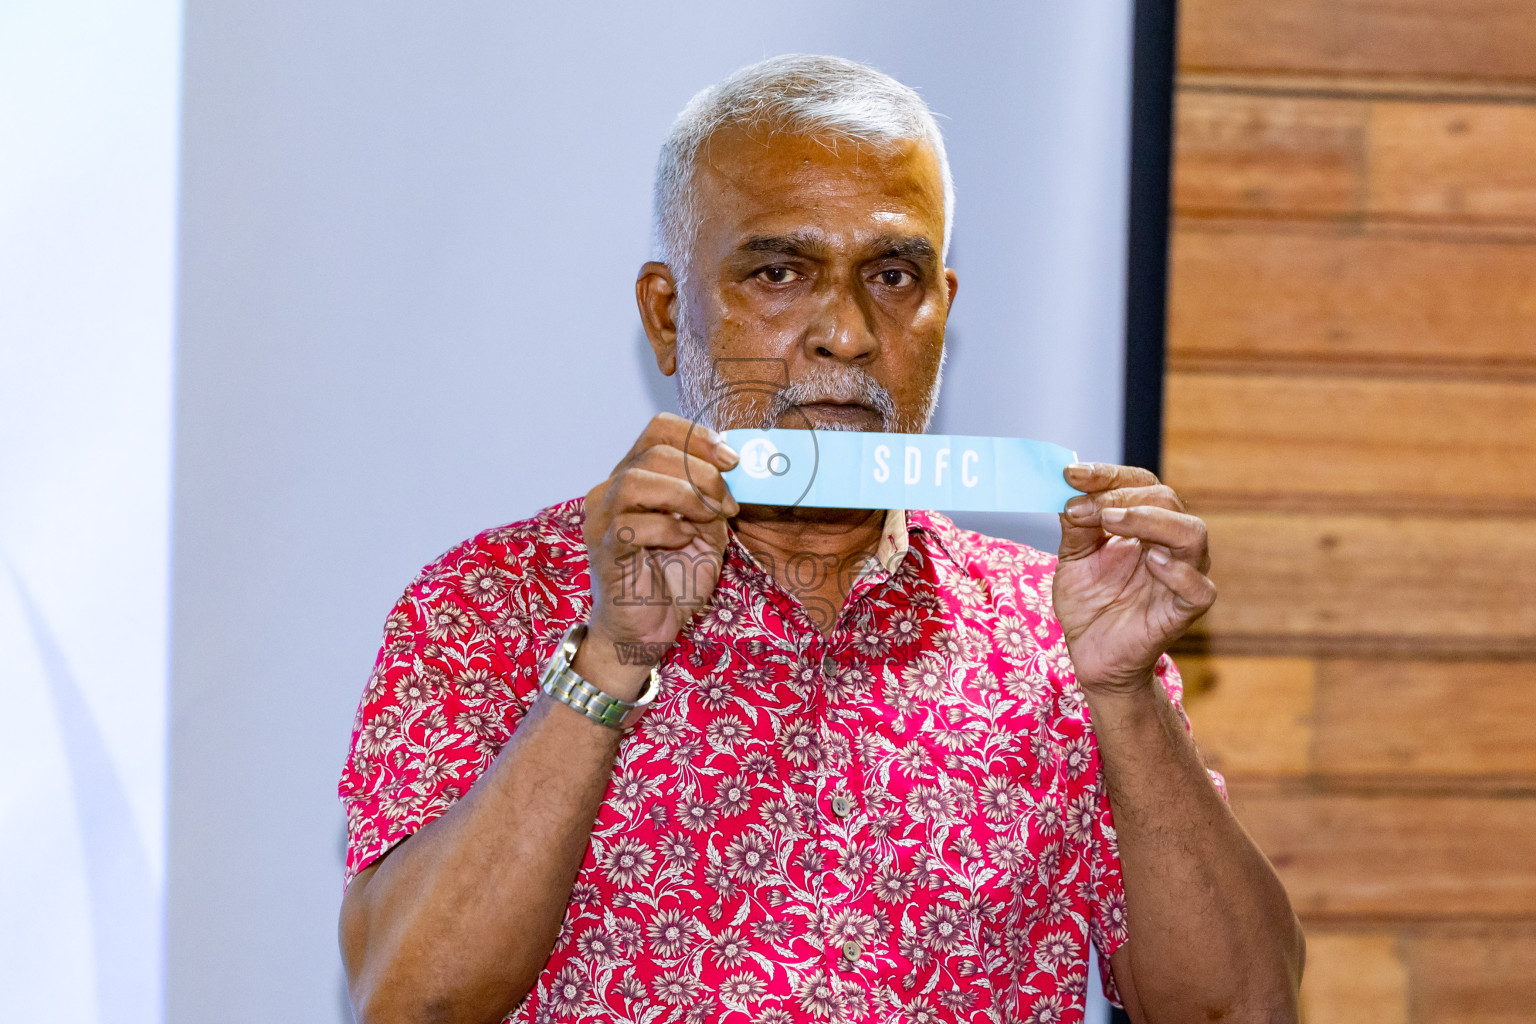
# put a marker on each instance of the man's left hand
(1131, 578)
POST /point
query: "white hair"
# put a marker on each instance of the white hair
(797, 94)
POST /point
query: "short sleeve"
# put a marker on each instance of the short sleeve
(454, 674)
(1107, 927)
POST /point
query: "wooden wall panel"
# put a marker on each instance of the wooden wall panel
(1352, 408)
(1245, 294)
(1331, 582)
(1394, 718)
(1457, 161)
(1243, 154)
(1354, 978)
(1376, 724)
(1472, 975)
(1269, 155)
(1345, 856)
(1395, 443)
(1490, 39)
(1251, 715)
(1422, 973)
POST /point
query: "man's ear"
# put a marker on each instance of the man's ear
(656, 295)
(952, 282)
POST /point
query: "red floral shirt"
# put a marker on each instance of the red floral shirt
(904, 820)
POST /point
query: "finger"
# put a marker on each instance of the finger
(660, 530)
(1183, 535)
(685, 435)
(702, 476)
(704, 443)
(1192, 590)
(664, 428)
(1091, 477)
(715, 534)
(1080, 522)
(1084, 509)
(640, 490)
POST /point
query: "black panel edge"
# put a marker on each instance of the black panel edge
(1153, 54)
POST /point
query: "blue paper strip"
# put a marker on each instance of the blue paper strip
(847, 469)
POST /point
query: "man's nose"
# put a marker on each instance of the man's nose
(844, 328)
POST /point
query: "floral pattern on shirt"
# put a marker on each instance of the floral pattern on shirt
(902, 820)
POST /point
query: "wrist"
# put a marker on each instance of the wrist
(1133, 684)
(619, 668)
(562, 682)
(1124, 699)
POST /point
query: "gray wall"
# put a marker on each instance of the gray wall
(408, 240)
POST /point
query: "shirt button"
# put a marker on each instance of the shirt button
(842, 806)
(829, 666)
(852, 950)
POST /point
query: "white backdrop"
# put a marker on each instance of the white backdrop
(404, 312)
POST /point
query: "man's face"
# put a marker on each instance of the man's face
(823, 260)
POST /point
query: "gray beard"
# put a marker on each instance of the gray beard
(717, 405)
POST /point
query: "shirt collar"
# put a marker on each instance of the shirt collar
(893, 540)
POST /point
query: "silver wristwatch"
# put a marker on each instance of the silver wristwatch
(559, 682)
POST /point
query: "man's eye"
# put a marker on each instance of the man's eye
(897, 278)
(778, 275)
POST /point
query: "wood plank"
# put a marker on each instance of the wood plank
(1354, 978)
(1255, 293)
(1368, 87)
(1375, 725)
(1251, 715)
(1398, 443)
(1486, 39)
(1479, 974)
(1454, 161)
(1265, 154)
(1347, 857)
(1260, 154)
(1427, 718)
(1318, 582)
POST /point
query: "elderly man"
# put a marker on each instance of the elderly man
(861, 783)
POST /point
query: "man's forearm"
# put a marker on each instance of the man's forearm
(456, 923)
(1212, 932)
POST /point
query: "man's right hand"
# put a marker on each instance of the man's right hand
(664, 508)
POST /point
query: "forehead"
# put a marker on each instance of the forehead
(755, 182)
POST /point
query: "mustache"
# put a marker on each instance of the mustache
(835, 385)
